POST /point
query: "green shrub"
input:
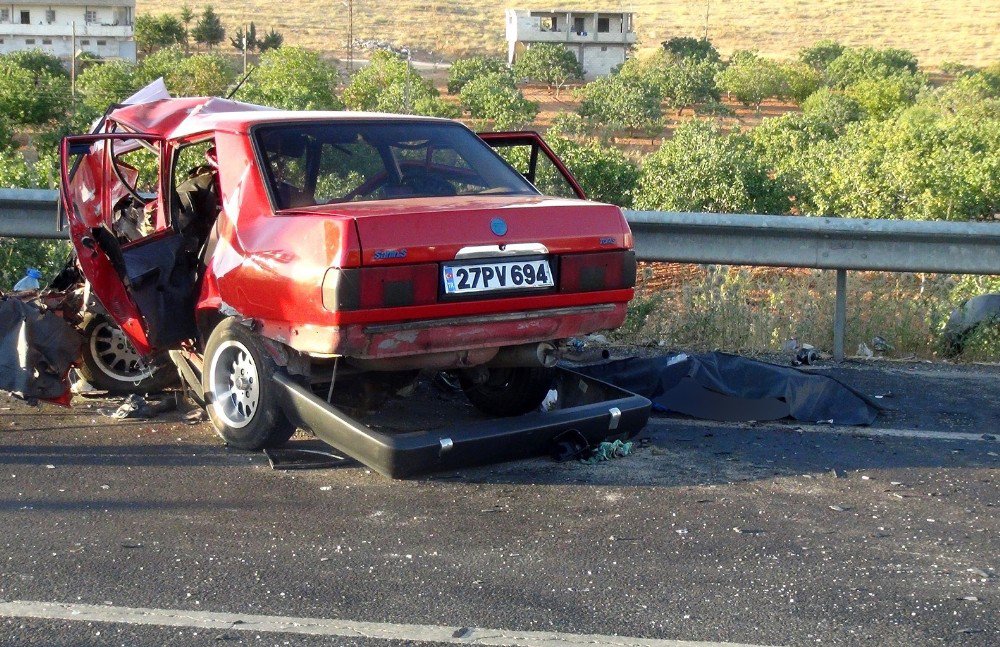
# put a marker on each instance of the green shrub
(33, 89)
(618, 103)
(548, 63)
(821, 54)
(495, 97)
(750, 79)
(605, 173)
(389, 84)
(292, 78)
(855, 65)
(881, 97)
(466, 69)
(703, 169)
(832, 108)
(798, 81)
(694, 49)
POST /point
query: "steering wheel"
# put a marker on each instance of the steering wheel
(427, 184)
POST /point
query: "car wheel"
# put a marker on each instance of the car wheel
(111, 363)
(240, 395)
(509, 391)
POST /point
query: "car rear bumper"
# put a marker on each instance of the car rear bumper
(378, 341)
(589, 407)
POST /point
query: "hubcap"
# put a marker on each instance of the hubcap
(235, 384)
(115, 356)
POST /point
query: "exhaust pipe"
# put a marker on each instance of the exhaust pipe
(542, 354)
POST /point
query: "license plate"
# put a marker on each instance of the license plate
(496, 277)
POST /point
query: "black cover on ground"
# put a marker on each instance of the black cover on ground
(719, 386)
(36, 350)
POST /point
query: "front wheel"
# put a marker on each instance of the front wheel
(111, 363)
(240, 394)
(509, 391)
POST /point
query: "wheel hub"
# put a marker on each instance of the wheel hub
(235, 384)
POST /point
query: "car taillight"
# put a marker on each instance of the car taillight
(380, 287)
(600, 271)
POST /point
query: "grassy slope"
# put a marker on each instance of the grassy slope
(966, 31)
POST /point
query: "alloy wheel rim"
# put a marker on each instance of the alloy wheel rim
(235, 384)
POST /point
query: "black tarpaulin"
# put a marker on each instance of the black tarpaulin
(36, 350)
(719, 386)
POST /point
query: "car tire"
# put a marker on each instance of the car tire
(509, 391)
(110, 362)
(240, 395)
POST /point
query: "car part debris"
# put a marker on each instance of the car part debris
(967, 318)
(135, 406)
(608, 450)
(293, 458)
(724, 387)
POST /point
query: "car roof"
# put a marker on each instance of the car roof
(181, 117)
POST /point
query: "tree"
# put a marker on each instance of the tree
(271, 40)
(30, 93)
(466, 69)
(880, 97)
(209, 30)
(689, 81)
(798, 81)
(495, 97)
(103, 85)
(548, 63)
(618, 102)
(292, 78)
(160, 64)
(389, 84)
(7, 142)
(38, 62)
(821, 54)
(187, 15)
(854, 65)
(155, 32)
(605, 173)
(245, 41)
(833, 108)
(703, 169)
(688, 48)
(201, 75)
(750, 79)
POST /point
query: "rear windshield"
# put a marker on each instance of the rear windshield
(326, 163)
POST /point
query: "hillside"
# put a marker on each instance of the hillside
(966, 31)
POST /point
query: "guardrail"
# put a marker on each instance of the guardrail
(728, 239)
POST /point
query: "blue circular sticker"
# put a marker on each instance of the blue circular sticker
(498, 226)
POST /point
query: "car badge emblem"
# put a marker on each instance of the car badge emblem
(498, 226)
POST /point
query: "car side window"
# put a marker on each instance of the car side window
(537, 168)
(195, 199)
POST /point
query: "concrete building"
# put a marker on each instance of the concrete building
(103, 27)
(600, 40)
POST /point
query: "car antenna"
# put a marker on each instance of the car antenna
(240, 84)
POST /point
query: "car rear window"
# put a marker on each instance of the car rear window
(312, 163)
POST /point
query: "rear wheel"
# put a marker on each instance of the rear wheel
(111, 363)
(509, 391)
(240, 395)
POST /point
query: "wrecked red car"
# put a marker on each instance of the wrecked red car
(266, 252)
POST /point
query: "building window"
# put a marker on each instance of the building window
(85, 41)
(4, 15)
(50, 16)
(603, 25)
(604, 48)
(90, 16)
(102, 42)
(46, 41)
(578, 25)
(25, 17)
(29, 41)
(550, 23)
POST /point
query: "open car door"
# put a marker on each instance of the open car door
(527, 152)
(139, 267)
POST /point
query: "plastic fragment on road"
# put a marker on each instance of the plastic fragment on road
(606, 451)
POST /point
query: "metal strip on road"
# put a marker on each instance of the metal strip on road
(225, 622)
(871, 432)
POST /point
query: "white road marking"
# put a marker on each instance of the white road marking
(224, 622)
(872, 432)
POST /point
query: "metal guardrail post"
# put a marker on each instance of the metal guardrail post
(840, 317)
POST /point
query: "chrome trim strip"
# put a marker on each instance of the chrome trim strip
(513, 249)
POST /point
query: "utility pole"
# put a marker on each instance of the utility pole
(708, 3)
(406, 88)
(72, 64)
(350, 36)
(246, 46)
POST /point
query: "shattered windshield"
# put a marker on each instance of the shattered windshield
(333, 162)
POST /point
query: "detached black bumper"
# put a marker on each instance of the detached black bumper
(595, 409)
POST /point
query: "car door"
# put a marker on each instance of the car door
(528, 153)
(138, 265)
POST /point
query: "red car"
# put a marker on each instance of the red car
(263, 248)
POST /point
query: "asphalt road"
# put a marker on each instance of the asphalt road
(769, 534)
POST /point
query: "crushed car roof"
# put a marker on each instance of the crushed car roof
(173, 118)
